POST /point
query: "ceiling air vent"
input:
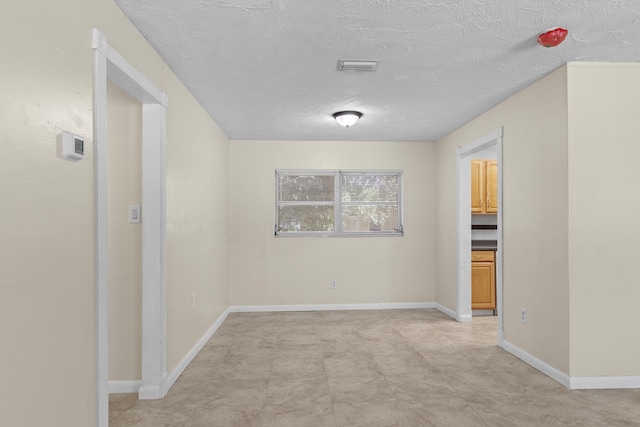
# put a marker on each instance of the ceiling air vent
(356, 65)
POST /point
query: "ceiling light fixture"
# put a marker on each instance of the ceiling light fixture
(357, 65)
(347, 118)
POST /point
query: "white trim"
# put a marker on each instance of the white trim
(188, 358)
(101, 234)
(328, 307)
(463, 281)
(125, 75)
(109, 64)
(463, 309)
(573, 383)
(153, 392)
(154, 300)
(599, 383)
(462, 318)
(465, 318)
(500, 242)
(124, 386)
(541, 366)
(446, 310)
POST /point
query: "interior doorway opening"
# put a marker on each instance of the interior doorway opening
(464, 313)
(124, 147)
(109, 65)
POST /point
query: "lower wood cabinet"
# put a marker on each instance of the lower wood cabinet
(483, 280)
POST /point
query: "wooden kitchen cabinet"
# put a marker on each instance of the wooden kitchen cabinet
(483, 280)
(477, 186)
(491, 186)
(484, 186)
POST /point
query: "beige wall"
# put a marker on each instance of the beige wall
(47, 304)
(124, 133)
(604, 131)
(197, 222)
(535, 216)
(266, 270)
(47, 267)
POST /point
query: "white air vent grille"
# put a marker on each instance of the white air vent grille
(357, 65)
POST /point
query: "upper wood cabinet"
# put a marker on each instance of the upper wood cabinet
(477, 186)
(484, 186)
(491, 185)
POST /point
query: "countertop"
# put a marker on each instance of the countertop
(484, 245)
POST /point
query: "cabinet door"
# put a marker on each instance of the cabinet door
(491, 176)
(483, 289)
(477, 186)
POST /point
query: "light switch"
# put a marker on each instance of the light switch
(134, 213)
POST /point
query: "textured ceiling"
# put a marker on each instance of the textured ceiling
(266, 69)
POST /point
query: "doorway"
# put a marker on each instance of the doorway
(124, 147)
(464, 312)
(110, 65)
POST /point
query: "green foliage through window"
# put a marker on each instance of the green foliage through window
(368, 202)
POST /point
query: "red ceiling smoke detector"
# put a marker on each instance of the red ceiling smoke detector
(553, 37)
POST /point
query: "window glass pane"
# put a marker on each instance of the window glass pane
(316, 188)
(369, 188)
(294, 218)
(365, 218)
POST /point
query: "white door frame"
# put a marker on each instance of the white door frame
(110, 65)
(464, 153)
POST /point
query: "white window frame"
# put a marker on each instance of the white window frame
(338, 204)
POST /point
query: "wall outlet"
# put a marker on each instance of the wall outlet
(523, 315)
(334, 284)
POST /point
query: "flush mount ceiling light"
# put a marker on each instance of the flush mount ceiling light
(347, 118)
(357, 65)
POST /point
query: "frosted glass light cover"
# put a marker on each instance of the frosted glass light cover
(347, 118)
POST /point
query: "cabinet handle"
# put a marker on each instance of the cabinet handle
(488, 202)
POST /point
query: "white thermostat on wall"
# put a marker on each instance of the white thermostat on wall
(71, 145)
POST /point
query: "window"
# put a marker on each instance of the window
(364, 203)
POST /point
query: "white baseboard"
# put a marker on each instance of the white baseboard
(326, 307)
(593, 383)
(462, 318)
(153, 392)
(124, 386)
(447, 311)
(175, 374)
(465, 318)
(573, 383)
(541, 366)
